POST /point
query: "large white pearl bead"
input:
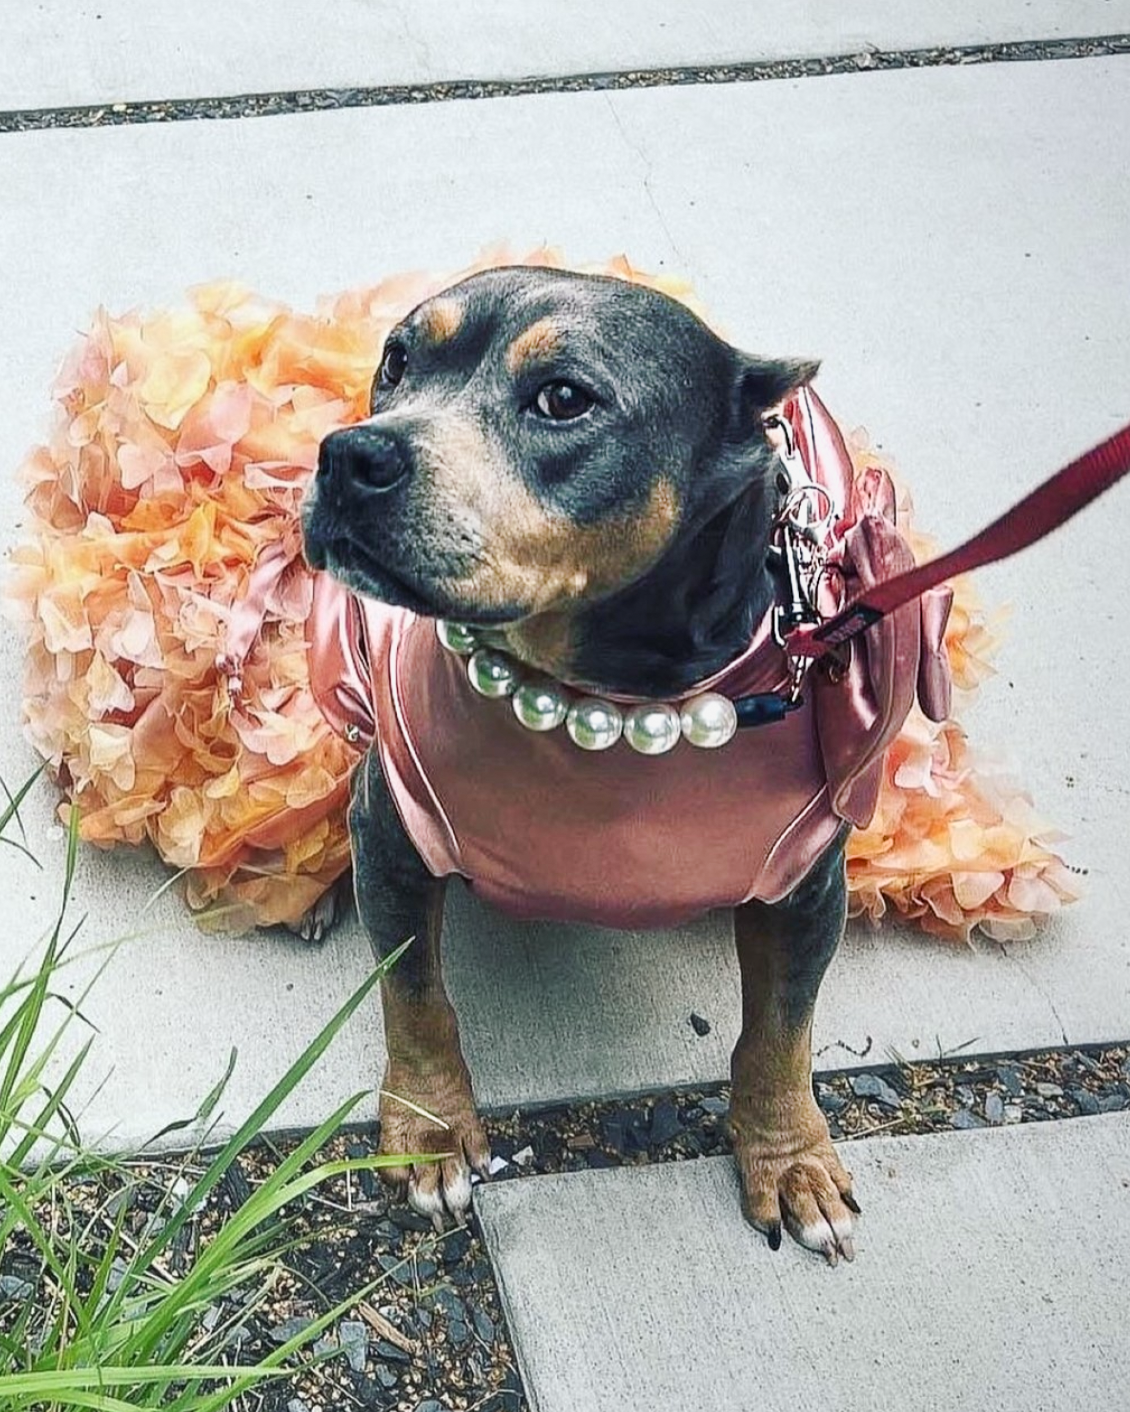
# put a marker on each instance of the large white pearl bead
(492, 673)
(540, 705)
(709, 720)
(652, 728)
(594, 724)
(456, 637)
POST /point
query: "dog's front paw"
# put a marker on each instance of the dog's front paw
(433, 1114)
(318, 921)
(792, 1177)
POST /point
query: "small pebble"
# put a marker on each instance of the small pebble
(288, 1329)
(409, 1220)
(390, 1353)
(963, 1119)
(699, 1025)
(484, 1326)
(665, 1123)
(1049, 1090)
(354, 1338)
(872, 1086)
(716, 1107)
(994, 1108)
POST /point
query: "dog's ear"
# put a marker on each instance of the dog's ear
(762, 383)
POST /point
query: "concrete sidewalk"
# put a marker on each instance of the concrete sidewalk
(990, 1277)
(58, 54)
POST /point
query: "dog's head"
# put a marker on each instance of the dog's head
(538, 441)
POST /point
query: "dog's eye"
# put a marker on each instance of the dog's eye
(562, 401)
(394, 364)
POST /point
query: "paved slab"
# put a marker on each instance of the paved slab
(58, 53)
(956, 252)
(989, 1277)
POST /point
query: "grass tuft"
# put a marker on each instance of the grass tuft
(96, 1312)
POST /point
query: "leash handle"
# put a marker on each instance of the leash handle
(1047, 507)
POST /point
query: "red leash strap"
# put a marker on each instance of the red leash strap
(1049, 506)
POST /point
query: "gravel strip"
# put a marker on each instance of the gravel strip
(258, 105)
(432, 1336)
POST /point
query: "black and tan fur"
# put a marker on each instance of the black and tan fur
(579, 466)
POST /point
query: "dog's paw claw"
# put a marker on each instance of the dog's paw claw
(805, 1191)
(318, 921)
(438, 1189)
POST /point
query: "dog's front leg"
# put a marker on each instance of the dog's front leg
(789, 1169)
(398, 898)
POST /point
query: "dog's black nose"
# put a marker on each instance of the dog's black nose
(363, 455)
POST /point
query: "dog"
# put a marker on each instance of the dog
(585, 480)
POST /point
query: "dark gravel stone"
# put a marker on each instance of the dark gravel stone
(430, 1405)
(426, 1269)
(387, 1233)
(455, 1246)
(504, 1401)
(699, 1025)
(384, 1375)
(964, 1119)
(832, 1102)
(715, 1106)
(458, 1333)
(409, 1220)
(1010, 1079)
(354, 1338)
(965, 1095)
(1085, 1101)
(288, 1329)
(874, 1087)
(449, 1304)
(665, 1123)
(235, 1185)
(1113, 1103)
(366, 1180)
(614, 1130)
(397, 1269)
(390, 1353)
(994, 1108)
(484, 1326)
(599, 1160)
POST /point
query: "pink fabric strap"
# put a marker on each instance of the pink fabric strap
(1050, 505)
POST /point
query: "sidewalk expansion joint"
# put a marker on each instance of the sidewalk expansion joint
(898, 1099)
(256, 105)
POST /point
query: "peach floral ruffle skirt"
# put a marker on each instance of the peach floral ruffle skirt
(181, 444)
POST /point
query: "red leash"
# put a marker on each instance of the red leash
(1049, 506)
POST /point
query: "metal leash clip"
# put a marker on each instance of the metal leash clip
(802, 533)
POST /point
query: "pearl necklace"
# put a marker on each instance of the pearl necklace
(707, 720)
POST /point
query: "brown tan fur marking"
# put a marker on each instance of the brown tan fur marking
(440, 320)
(534, 344)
